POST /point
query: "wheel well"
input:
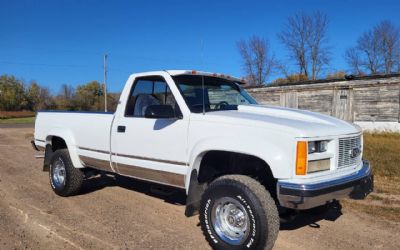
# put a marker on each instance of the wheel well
(217, 163)
(57, 143)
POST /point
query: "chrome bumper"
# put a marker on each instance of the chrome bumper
(304, 196)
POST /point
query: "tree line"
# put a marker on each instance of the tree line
(16, 95)
(377, 51)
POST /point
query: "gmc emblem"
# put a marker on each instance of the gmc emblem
(355, 152)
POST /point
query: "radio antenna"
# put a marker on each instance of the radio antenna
(203, 95)
(202, 76)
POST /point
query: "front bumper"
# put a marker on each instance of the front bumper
(304, 196)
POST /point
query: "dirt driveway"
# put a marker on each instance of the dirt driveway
(131, 214)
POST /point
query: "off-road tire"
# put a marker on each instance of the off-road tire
(256, 200)
(73, 176)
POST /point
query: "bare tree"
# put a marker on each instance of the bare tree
(67, 92)
(368, 43)
(353, 59)
(258, 61)
(377, 50)
(389, 36)
(398, 61)
(294, 37)
(318, 53)
(66, 98)
(305, 38)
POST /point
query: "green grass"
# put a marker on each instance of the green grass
(23, 120)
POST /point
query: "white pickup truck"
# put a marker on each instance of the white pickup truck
(239, 162)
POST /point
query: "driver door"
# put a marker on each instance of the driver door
(148, 148)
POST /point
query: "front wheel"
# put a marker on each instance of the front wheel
(237, 212)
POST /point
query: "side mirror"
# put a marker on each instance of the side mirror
(159, 112)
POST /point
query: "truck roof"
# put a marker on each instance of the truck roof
(195, 72)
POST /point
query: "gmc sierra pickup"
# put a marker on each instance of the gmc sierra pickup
(239, 162)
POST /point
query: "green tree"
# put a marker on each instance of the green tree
(12, 93)
(38, 98)
(65, 100)
(32, 96)
(90, 96)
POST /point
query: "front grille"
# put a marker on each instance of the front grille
(348, 152)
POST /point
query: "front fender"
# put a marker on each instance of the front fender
(276, 153)
(69, 139)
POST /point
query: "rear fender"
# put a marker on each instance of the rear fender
(69, 139)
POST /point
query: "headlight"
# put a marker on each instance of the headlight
(317, 146)
(318, 165)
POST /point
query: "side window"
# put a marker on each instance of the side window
(149, 91)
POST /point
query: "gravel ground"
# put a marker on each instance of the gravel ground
(130, 214)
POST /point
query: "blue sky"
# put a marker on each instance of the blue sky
(57, 42)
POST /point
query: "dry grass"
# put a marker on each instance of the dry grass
(389, 185)
(383, 151)
(16, 114)
(391, 213)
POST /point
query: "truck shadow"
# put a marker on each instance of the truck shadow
(311, 218)
(177, 196)
(168, 194)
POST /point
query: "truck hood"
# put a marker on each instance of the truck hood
(299, 123)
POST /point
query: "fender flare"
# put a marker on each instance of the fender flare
(229, 144)
(69, 140)
(195, 192)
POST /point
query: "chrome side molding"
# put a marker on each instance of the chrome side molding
(157, 176)
(152, 175)
(136, 157)
(96, 163)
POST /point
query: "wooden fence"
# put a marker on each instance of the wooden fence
(364, 99)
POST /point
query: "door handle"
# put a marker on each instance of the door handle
(121, 129)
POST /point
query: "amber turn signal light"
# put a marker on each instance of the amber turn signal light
(301, 158)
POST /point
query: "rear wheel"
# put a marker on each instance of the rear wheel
(237, 212)
(65, 179)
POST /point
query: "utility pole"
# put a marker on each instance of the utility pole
(105, 82)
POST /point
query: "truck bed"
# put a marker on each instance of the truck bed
(87, 127)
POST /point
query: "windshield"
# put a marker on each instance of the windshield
(219, 94)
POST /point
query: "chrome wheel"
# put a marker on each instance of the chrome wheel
(230, 220)
(59, 173)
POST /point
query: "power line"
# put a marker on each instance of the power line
(46, 64)
(63, 66)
